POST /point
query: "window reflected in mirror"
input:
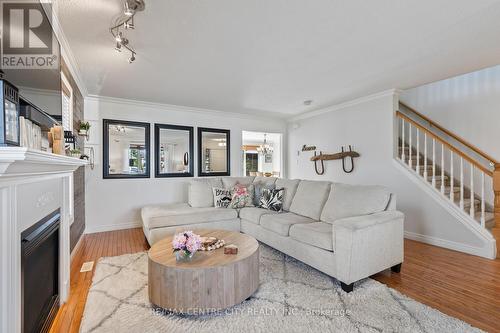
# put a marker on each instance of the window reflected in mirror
(213, 152)
(173, 151)
(126, 149)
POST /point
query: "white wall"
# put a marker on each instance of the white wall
(115, 203)
(367, 125)
(468, 105)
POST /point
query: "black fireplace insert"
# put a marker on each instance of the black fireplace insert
(40, 273)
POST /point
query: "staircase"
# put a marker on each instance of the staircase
(463, 175)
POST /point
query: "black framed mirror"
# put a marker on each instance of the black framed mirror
(126, 149)
(214, 146)
(174, 150)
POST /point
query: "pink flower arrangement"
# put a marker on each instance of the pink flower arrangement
(186, 241)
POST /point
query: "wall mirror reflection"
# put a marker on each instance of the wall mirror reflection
(173, 151)
(125, 149)
(213, 152)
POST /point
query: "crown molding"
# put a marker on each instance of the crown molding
(180, 108)
(66, 52)
(364, 99)
(44, 92)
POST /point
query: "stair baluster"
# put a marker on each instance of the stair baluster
(433, 163)
(426, 174)
(472, 190)
(409, 146)
(442, 168)
(483, 205)
(461, 183)
(403, 140)
(452, 192)
(418, 149)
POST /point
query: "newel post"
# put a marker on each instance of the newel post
(496, 190)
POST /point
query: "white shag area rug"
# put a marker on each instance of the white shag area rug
(292, 297)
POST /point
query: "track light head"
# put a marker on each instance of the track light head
(118, 47)
(119, 37)
(129, 24)
(132, 58)
(128, 11)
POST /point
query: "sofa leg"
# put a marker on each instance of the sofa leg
(347, 287)
(396, 268)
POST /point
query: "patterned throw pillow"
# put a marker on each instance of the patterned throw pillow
(258, 192)
(272, 199)
(222, 197)
(242, 196)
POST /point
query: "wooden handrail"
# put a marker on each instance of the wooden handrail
(453, 135)
(447, 144)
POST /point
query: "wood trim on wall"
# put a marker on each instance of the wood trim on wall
(78, 226)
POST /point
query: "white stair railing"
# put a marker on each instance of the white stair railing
(410, 133)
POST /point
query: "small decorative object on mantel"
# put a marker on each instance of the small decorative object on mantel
(75, 153)
(337, 156)
(231, 249)
(56, 139)
(185, 245)
(9, 114)
(211, 243)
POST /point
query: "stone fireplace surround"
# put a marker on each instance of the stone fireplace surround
(32, 185)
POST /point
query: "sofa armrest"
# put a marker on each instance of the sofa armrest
(365, 245)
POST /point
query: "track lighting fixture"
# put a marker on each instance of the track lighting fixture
(125, 21)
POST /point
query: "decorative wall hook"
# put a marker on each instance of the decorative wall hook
(316, 165)
(337, 156)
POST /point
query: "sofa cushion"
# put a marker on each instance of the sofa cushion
(253, 214)
(200, 191)
(258, 188)
(354, 200)
(290, 186)
(310, 198)
(272, 199)
(158, 216)
(242, 196)
(319, 234)
(229, 182)
(281, 223)
(222, 197)
(264, 180)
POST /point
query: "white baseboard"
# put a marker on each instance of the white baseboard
(485, 252)
(77, 246)
(111, 227)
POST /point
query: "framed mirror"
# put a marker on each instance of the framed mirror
(173, 151)
(213, 152)
(125, 149)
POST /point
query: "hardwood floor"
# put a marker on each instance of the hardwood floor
(92, 247)
(460, 285)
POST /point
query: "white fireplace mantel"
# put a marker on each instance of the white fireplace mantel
(32, 185)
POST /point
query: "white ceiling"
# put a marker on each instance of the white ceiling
(271, 55)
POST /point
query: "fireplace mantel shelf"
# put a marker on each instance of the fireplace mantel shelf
(19, 161)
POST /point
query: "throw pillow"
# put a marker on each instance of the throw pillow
(222, 197)
(272, 199)
(258, 192)
(242, 196)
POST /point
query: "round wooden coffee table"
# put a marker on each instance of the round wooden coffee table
(211, 281)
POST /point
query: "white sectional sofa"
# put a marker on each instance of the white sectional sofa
(348, 232)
